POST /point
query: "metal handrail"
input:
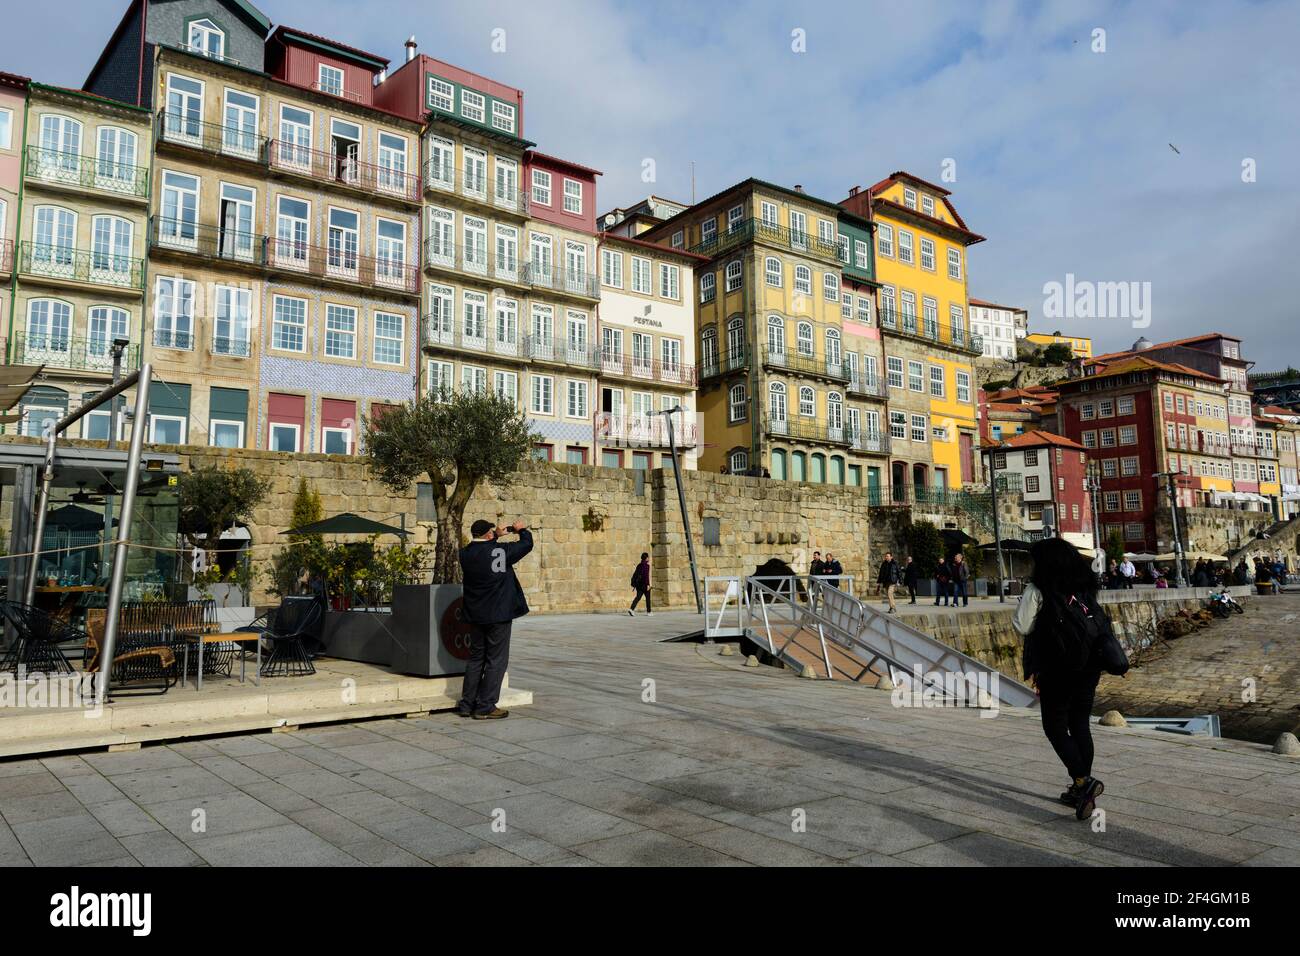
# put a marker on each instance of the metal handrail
(444, 177)
(81, 265)
(87, 172)
(323, 166)
(758, 229)
(177, 128)
(92, 354)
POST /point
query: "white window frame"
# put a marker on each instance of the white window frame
(541, 187)
(572, 201)
(327, 430)
(154, 419)
(400, 338)
(325, 69)
(212, 428)
(292, 426)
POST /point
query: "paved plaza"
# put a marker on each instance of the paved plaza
(639, 752)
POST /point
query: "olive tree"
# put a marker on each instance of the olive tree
(461, 440)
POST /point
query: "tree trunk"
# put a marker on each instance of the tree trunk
(446, 561)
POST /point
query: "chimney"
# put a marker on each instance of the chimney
(853, 191)
(798, 188)
(411, 47)
(383, 75)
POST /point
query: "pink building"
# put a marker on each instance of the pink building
(13, 99)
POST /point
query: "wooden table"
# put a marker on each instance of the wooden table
(69, 589)
(236, 637)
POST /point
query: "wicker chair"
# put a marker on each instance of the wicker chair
(137, 670)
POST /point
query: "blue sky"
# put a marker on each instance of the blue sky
(1062, 154)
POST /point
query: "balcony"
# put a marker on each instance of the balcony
(757, 230)
(6, 256)
(869, 386)
(1199, 445)
(1243, 450)
(197, 50)
(648, 369)
(729, 361)
(805, 364)
(521, 348)
(229, 141)
(344, 171)
(808, 430)
(232, 347)
(872, 442)
(906, 323)
(167, 338)
(583, 284)
(440, 177)
(450, 257)
(340, 264)
(55, 350)
(208, 242)
(67, 264)
(644, 431)
(87, 172)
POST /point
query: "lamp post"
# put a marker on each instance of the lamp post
(997, 532)
(117, 349)
(668, 414)
(1180, 579)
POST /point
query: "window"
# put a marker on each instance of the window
(670, 352)
(772, 271)
(1129, 466)
(920, 428)
(390, 253)
(905, 254)
(798, 228)
(1133, 531)
(768, 213)
(1169, 401)
(776, 403)
(6, 129)
(576, 406)
(392, 163)
(541, 187)
(898, 425)
(506, 385)
(937, 388)
(225, 434)
(166, 429)
(230, 327)
(679, 239)
(284, 437)
(1133, 501)
(1089, 439)
(542, 394)
(804, 338)
(1031, 458)
(611, 268)
(1126, 405)
(641, 281)
(668, 281)
(442, 95)
(963, 387)
(739, 462)
(390, 333)
(909, 198)
(1031, 483)
(831, 287)
(173, 316)
(734, 216)
(708, 286)
(472, 105)
(736, 404)
(573, 196)
(49, 328)
(927, 254)
(708, 230)
(473, 380)
(1128, 435)
(340, 331)
(954, 263)
(1105, 408)
(914, 380)
(503, 116)
(330, 80)
(894, 371)
(1087, 412)
(885, 240)
(442, 378)
(335, 440)
(733, 275)
(927, 205)
(206, 39)
(807, 402)
(860, 253)
(1109, 467)
(105, 325)
(1108, 438)
(803, 280)
(1110, 501)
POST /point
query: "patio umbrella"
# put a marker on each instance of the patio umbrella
(1143, 556)
(1008, 544)
(76, 518)
(347, 523)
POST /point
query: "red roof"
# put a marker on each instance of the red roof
(534, 154)
(1038, 438)
(656, 246)
(282, 30)
(1141, 361)
(1164, 345)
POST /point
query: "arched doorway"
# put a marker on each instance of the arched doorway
(898, 481)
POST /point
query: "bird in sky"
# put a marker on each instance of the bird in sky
(1175, 149)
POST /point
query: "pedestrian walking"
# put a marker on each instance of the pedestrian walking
(910, 578)
(942, 582)
(816, 567)
(493, 599)
(832, 569)
(960, 580)
(1059, 662)
(887, 579)
(641, 584)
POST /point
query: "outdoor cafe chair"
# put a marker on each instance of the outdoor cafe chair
(36, 648)
(294, 622)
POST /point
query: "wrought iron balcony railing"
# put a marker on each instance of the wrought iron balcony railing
(343, 170)
(443, 177)
(929, 330)
(729, 361)
(877, 442)
(805, 429)
(60, 350)
(476, 261)
(643, 367)
(238, 347)
(6, 256)
(81, 265)
(872, 386)
(168, 338)
(757, 230)
(807, 364)
(209, 242)
(341, 264)
(236, 142)
(644, 431)
(508, 344)
(556, 279)
(87, 172)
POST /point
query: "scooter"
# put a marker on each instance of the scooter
(1222, 604)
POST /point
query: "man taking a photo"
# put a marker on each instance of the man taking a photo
(493, 599)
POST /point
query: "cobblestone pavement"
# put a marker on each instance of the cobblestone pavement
(1246, 669)
(642, 752)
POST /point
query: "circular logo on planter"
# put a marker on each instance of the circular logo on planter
(455, 630)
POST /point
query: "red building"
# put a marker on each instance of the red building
(1053, 476)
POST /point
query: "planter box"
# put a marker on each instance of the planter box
(362, 636)
(424, 633)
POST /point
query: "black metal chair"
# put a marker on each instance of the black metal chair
(38, 635)
(293, 623)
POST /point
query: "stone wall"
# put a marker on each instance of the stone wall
(1217, 530)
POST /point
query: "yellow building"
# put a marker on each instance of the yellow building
(775, 376)
(929, 350)
(1080, 346)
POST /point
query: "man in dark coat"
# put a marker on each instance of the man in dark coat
(910, 578)
(493, 599)
(833, 569)
(817, 567)
(887, 578)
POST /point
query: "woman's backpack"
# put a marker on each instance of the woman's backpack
(1083, 635)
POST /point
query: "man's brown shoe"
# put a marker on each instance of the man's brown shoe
(496, 713)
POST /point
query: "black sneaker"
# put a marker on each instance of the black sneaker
(1092, 789)
(1071, 795)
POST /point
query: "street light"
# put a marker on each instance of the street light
(1180, 579)
(997, 533)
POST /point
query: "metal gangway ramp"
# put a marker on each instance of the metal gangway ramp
(794, 615)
